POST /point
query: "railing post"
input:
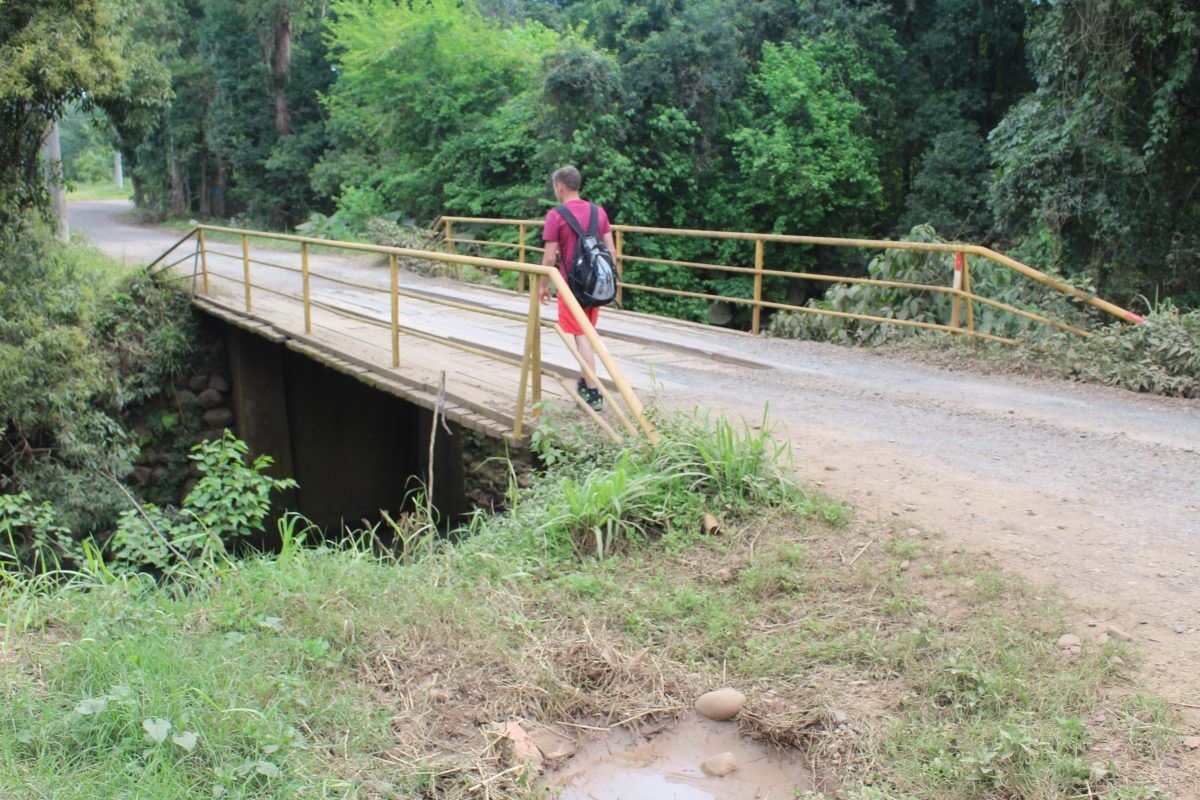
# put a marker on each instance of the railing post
(970, 304)
(304, 274)
(620, 242)
(521, 255)
(246, 268)
(395, 268)
(536, 353)
(957, 284)
(531, 332)
(204, 261)
(450, 248)
(756, 313)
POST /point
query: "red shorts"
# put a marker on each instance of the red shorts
(566, 320)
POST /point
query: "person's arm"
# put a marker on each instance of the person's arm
(549, 259)
(612, 248)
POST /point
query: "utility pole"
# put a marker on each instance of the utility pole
(54, 181)
(118, 172)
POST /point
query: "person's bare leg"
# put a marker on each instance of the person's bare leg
(589, 357)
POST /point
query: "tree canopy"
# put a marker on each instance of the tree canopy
(1064, 130)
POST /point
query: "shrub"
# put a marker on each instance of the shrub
(933, 269)
(231, 499)
(1161, 357)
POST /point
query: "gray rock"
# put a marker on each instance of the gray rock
(149, 455)
(198, 383)
(218, 417)
(211, 435)
(1117, 633)
(210, 398)
(840, 718)
(1173, 763)
(219, 383)
(185, 398)
(719, 765)
(721, 704)
(1192, 742)
(1069, 641)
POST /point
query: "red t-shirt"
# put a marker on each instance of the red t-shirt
(557, 229)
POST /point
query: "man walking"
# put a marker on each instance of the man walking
(561, 241)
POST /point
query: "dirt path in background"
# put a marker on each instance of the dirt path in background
(1090, 490)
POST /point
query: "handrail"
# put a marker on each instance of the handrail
(530, 363)
(960, 290)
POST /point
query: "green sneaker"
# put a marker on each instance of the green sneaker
(590, 396)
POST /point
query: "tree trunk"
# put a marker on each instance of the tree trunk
(205, 201)
(218, 191)
(282, 70)
(178, 200)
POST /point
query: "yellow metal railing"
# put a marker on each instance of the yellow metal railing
(958, 288)
(532, 370)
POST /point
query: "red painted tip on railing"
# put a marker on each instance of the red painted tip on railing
(1134, 318)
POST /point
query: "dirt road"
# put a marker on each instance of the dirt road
(1094, 491)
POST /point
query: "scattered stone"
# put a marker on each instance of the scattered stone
(141, 476)
(839, 718)
(554, 743)
(721, 704)
(1116, 632)
(185, 398)
(1117, 661)
(524, 480)
(912, 533)
(219, 383)
(904, 565)
(726, 574)
(1173, 763)
(1097, 773)
(1177, 628)
(210, 398)
(719, 765)
(198, 383)
(218, 417)
(524, 750)
(1069, 641)
(710, 525)
(1192, 742)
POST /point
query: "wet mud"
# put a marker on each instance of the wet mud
(664, 764)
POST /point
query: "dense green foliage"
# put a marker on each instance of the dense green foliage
(83, 344)
(1062, 129)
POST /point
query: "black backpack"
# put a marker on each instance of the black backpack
(591, 273)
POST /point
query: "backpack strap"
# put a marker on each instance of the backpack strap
(594, 222)
(573, 223)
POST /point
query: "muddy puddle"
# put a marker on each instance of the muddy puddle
(629, 765)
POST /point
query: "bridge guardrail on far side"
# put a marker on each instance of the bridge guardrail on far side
(958, 287)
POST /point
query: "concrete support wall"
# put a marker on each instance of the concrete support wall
(353, 449)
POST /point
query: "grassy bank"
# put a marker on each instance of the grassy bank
(903, 668)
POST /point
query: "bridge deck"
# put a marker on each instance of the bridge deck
(479, 353)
